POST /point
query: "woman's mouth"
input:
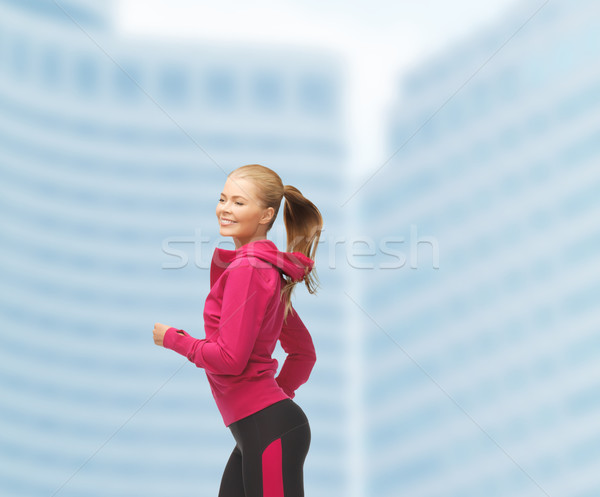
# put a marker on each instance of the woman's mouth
(226, 222)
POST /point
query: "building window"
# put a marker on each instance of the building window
(267, 91)
(220, 89)
(480, 100)
(508, 84)
(86, 75)
(316, 95)
(50, 68)
(173, 84)
(20, 58)
(126, 82)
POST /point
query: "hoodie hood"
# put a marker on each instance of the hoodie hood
(293, 264)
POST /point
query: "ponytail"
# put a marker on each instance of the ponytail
(303, 224)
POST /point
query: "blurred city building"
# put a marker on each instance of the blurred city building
(481, 338)
(113, 154)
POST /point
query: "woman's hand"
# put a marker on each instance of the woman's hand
(159, 333)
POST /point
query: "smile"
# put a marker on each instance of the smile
(227, 221)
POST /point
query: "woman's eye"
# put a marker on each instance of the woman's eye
(238, 203)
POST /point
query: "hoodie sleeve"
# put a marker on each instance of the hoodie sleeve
(246, 296)
(297, 343)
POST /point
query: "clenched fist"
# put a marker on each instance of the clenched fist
(159, 333)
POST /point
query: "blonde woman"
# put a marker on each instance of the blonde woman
(247, 310)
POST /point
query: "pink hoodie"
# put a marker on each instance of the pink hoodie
(243, 319)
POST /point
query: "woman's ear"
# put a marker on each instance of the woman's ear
(267, 215)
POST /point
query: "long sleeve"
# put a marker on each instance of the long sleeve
(245, 299)
(297, 343)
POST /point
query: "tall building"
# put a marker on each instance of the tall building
(113, 152)
(481, 323)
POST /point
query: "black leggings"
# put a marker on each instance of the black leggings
(268, 458)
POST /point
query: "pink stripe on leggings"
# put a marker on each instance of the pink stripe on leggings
(272, 470)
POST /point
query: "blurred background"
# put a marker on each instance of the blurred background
(452, 149)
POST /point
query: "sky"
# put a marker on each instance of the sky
(379, 40)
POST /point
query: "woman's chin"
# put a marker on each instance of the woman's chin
(225, 231)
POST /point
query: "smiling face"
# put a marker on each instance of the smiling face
(239, 214)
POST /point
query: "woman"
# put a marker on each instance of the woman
(247, 310)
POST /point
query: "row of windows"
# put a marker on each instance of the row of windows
(583, 100)
(558, 60)
(222, 87)
(584, 37)
(86, 15)
(460, 110)
(525, 180)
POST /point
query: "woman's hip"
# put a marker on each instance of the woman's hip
(268, 424)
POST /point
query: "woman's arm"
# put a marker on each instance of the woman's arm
(297, 342)
(246, 296)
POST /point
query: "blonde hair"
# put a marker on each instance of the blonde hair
(303, 221)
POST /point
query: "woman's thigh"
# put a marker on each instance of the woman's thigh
(232, 484)
(277, 469)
